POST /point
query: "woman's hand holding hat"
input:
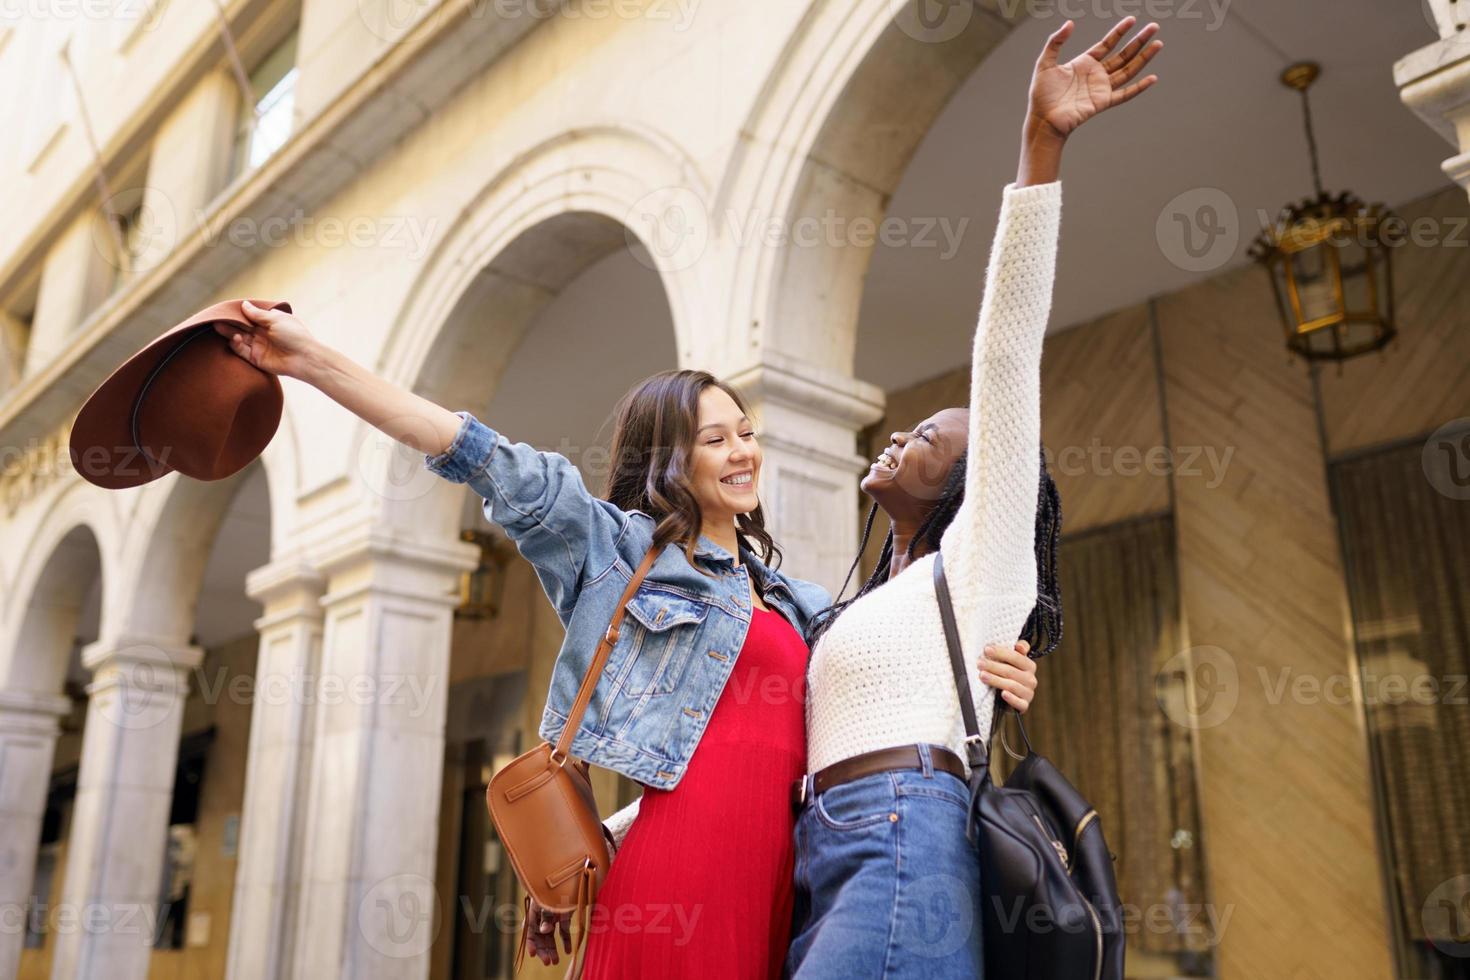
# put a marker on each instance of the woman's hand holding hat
(277, 342)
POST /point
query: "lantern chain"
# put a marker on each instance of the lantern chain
(1311, 141)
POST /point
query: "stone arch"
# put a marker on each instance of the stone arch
(166, 553)
(539, 224)
(74, 544)
(849, 102)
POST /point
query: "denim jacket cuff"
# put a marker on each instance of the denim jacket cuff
(468, 454)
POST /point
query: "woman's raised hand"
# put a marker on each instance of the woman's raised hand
(1064, 96)
(276, 341)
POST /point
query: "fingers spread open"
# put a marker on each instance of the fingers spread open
(1100, 50)
(1119, 59)
(1135, 65)
(1124, 94)
(1048, 56)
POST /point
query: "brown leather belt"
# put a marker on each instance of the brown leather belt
(882, 760)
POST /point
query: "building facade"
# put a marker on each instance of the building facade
(245, 726)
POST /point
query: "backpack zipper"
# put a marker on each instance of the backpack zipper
(1067, 867)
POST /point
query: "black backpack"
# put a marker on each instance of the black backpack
(1050, 903)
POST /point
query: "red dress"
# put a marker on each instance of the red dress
(702, 886)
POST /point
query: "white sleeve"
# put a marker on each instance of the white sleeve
(989, 547)
(619, 822)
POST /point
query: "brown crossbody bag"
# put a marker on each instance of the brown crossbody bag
(543, 809)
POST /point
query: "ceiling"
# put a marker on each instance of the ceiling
(1218, 126)
(1219, 122)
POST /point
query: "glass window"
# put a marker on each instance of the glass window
(1404, 513)
(131, 234)
(265, 124)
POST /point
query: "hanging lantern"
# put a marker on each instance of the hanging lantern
(1328, 263)
(482, 588)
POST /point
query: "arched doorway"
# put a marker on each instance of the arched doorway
(604, 324)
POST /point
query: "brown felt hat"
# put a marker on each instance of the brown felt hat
(186, 402)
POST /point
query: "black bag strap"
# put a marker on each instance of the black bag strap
(977, 754)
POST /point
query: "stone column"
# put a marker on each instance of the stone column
(809, 418)
(268, 875)
(120, 819)
(28, 730)
(367, 904)
(1435, 82)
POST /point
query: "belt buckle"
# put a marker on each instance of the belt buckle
(801, 792)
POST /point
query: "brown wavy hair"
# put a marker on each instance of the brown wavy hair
(653, 442)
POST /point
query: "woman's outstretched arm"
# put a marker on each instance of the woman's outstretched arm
(539, 498)
(280, 343)
(989, 546)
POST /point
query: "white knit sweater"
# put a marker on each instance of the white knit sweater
(880, 676)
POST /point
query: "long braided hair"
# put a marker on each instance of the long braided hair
(1043, 629)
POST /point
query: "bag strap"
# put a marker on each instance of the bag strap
(599, 660)
(977, 755)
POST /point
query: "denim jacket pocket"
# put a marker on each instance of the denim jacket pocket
(657, 641)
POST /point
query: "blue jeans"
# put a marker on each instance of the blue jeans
(887, 884)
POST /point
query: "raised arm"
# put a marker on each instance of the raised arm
(279, 343)
(989, 546)
(539, 498)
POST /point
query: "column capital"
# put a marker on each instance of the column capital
(283, 578)
(1435, 82)
(131, 651)
(374, 556)
(32, 712)
(289, 588)
(831, 395)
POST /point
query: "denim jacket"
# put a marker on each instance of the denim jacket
(683, 630)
